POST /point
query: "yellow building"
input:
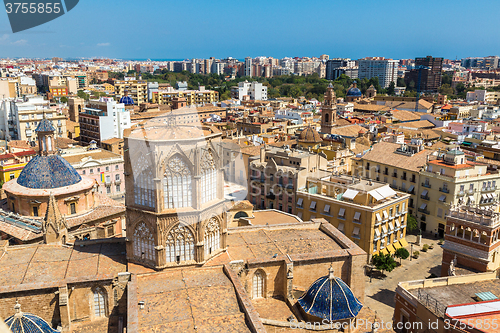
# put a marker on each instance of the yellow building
(137, 90)
(370, 213)
(11, 164)
(198, 97)
(339, 159)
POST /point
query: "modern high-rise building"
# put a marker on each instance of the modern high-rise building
(386, 70)
(339, 66)
(248, 66)
(430, 74)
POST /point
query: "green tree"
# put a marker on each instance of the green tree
(384, 262)
(83, 95)
(412, 224)
(391, 91)
(401, 82)
(402, 254)
(446, 78)
(64, 99)
(446, 89)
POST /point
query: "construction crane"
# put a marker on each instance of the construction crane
(419, 68)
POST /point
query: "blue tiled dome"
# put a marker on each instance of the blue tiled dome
(127, 100)
(45, 172)
(28, 323)
(354, 92)
(331, 299)
(45, 126)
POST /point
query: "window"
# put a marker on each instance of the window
(107, 168)
(117, 188)
(313, 205)
(98, 169)
(212, 236)
(258, 285)
(179, 244)
(35, 210)
(177, 184)
(341, 212)
(91, 171)
(357, 216)
(99, 309)
(326, 210)
(83, 172)
(299, 202)
(108, 189)
(12, 176)
(440, 212)
(72, 207)
(117, 177)
(208, 178)
(143, 242)
(108, 178)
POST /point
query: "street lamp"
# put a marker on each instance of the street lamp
(411, 250)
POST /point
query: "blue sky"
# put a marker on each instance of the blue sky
(160, 29)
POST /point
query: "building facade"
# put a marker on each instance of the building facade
(385, 69)
(370, 213)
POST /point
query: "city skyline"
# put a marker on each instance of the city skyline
(278, 29)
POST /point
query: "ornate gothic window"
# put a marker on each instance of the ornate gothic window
(179, 244)
(177, 186)
(258, 285)
(212, 236)
(144, 242)
(208, 178)
(143, 183)
(99, 308)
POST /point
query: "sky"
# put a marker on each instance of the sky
(164, 29)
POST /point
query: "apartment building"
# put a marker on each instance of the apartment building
(435, 181)
(386, 70)
(105, 167)
(339, 66)
(449, 180)
(249, 90)
(276, 174)
(103, 119)
(370, 213)
(429, 70)
(137, 90)
(13, 162)
(395, 164)
(24, 115)
(193, 97)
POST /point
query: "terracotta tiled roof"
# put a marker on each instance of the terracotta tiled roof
(48, 264)
(384, 153)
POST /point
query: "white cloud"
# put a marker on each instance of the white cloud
(20, 42)
(103, 44)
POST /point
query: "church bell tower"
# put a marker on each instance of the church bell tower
(329, 111)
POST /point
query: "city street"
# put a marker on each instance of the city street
(379, 293)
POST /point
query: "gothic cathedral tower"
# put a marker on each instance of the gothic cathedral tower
(329, 111)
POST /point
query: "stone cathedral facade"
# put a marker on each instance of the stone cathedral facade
(175, 188)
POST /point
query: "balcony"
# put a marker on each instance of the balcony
(444, 190)
(425, 197)
(403, 177)
(386, 173)
(460, 193)
(413, 180)
(395, 175)
(488, 189)
(395, 187)
(423, 218)
(425, 211)
(426, 185)
(377, 171)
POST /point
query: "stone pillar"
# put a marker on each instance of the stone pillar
(158, 189)
(64, 308)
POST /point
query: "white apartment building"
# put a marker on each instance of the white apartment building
(385, 69)
(483, 96)
(20, 118)
(254, 90)
(103, 119)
